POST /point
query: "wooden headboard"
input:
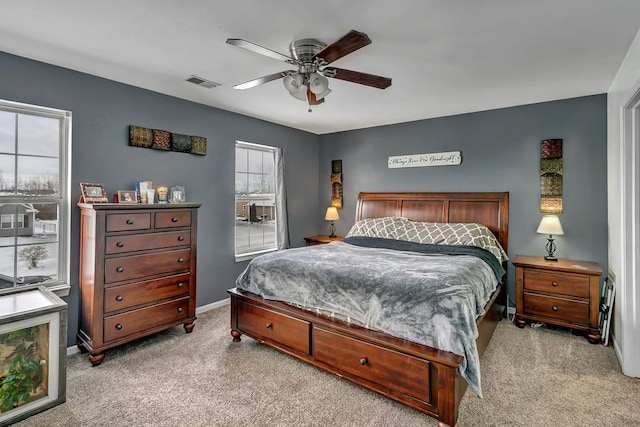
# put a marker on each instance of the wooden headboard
(489, 209)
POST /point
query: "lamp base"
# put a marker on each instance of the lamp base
(550, 258)
(332, 230)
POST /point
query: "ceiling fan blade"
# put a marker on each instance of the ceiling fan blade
(261, 50)
(348, 43)
(262, 80)
(357, 77)
(311, 97)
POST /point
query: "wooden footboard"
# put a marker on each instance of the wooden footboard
(415, 375)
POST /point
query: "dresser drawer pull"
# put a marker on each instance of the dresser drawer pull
(174, 219)
(269, 325)
(554, 283)
(119, 298)
(118, 326)
(554, 308)
(120, 245)
(130, 221)
(363, 361)
(181, 238)
(180, 309)
(180, 285)
(180, 260)
(119, 269)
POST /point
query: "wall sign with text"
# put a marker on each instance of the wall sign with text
(447, 158)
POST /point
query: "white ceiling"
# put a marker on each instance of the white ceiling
(445, 56)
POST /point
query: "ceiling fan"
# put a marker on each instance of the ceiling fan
(311, 57)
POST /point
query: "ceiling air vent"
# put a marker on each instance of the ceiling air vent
(202, 82)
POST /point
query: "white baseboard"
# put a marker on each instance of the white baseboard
(199, 310)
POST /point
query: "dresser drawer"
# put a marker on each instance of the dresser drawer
(121, 325)
(141, 242)
(128, 221)
(557, 283)
(173, 219)
(282, 329)
(126, 296)
(133, 267)
(570, 310)
(373, 363)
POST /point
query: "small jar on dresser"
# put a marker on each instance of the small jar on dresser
(563, 292)
(137, 272)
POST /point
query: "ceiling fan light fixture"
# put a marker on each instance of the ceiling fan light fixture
(322, 94)
(318, 83)
(293, 82)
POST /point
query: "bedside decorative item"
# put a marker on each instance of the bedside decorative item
(551, 176)
(162, 195)
(550, 224)
(177, 195)
(93, 193)
(332, 215)
(33, 336)
(127, 196)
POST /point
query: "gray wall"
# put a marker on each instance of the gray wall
(501, 152)
(103, 110)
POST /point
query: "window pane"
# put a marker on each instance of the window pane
(242, 186)
(38, 175)
(38, 135)
(241, 160)
(37, 263)
(7, 132)
(40, 224)
(7, 174)
(255, 161)
(6, 266)
(255, 183)
(267, 163)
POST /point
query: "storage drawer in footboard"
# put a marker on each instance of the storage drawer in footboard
(397, 371)
(259, 323)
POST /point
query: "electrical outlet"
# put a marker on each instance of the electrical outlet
(511, 310)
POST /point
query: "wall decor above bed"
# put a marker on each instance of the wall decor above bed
(167, 141)
(336, 184)
(448, 158)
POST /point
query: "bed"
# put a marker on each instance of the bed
(424, 377)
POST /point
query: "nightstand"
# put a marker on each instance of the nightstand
(321, 239)
(563, 292)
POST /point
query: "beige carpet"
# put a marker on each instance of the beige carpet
(530, 377)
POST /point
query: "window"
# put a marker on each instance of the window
(34, 197)
(256, 224)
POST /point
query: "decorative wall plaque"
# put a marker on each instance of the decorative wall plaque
(336, 184)
(551, 176)
(447, 158)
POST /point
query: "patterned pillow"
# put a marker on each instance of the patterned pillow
(377, 227)
(469, 234)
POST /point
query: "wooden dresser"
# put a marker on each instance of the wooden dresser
(137, 272)
(562, 292)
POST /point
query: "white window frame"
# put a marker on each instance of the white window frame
(244, 256)
(61, 286)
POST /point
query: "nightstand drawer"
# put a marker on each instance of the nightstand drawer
(557, 283)
(573, 311)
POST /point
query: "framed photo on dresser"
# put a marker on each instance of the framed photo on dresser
(93, 193)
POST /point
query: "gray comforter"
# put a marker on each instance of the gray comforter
(430, 298)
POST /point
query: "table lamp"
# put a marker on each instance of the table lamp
(332, 215)
(550, 224)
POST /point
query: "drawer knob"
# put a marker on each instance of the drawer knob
(180, 309)
(554, 283)
(174, 219)
(118, 326)
(119, 298)
(180, 260)
(554, 308)
(269, 325)
(363, 361)
(120, 244)
(119, 269)
(130, 221)
(181, 238)
(180, 285)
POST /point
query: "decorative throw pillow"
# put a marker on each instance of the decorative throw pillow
(199, 145)
(140, 137)
(180, 142)
(161, 140)
(384, 228)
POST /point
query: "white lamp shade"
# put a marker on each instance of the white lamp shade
(301, 93)
(332, 214)
(293, 82)
(318, 83)
(550, 224)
